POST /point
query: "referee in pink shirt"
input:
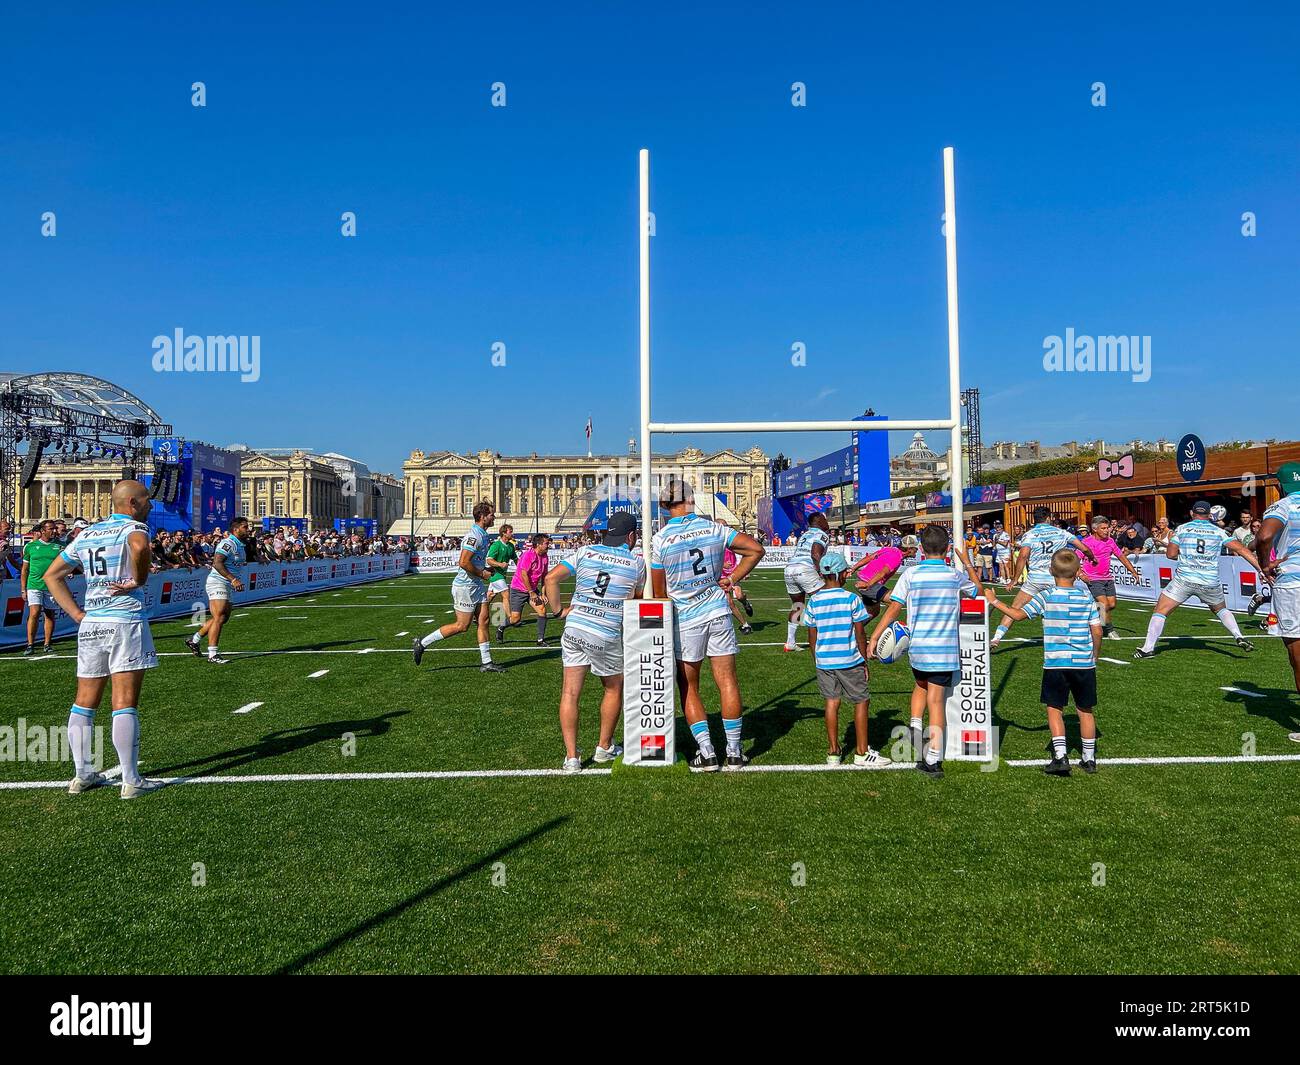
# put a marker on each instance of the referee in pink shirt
(1097, 573)
(527, 587)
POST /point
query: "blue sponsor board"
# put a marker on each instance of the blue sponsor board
(1191, 458)
(829, 471)
(367, 526)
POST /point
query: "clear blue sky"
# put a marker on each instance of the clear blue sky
(775, 224)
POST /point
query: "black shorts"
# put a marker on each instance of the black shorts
(518, 600)
(1060, 684)
(1102, 588)
(925, 676)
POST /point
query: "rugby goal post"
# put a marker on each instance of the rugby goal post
(635, 645)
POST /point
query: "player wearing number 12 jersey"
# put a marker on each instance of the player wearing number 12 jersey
(1197, 545)
(1037, 547)
(686, 566)
(607, 574)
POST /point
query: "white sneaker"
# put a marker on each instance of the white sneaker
(607, 754)
(1294, 737)
(80, 784)
(133, 791)
(834, 759)
(572, 765)
(871, 760)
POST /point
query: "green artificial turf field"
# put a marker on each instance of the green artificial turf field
(1140, 868)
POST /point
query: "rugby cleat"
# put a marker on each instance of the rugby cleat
(84, 784)
(1089, 765)
(193, 647)
(735, 761)
(1244, 643)
(145, 787)
(501, 634)
(702, 764)
(30, 651)
(490, 667)
(1256, 601)
(1057, 767)
(933, 770)
(417, 650)
(1139, 653)
(747, 630)
(217, 660)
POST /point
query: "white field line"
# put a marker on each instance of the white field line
(1115, 661)
(595, 771)
(247, 708)
(403, 633)
(318, 673)
(1243, 691)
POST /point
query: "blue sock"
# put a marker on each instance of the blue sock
(732, 726)
(700, 730)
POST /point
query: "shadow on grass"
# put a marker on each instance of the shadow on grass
(284, 741)
(1280, 705)
(357, 931)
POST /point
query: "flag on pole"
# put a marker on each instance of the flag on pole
(588, 436)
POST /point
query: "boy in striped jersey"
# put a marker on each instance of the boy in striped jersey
(801, 572)
(1196, 546)
(113, 638)
(1278, 542)
(686, 566)
(223, 582)
(836, 618)
(1072, 628)
(932, 592)
(1037, 546)
(607, 574)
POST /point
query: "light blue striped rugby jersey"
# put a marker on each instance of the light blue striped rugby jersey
(1043, 541)
(606, 577)
(476, 542)
(932, 590)
(802, 556)
(234, 554)
(1069, 615)
(832, 612)
(1286, 544)
(689, 550)
(102, 552)
(1200, 543)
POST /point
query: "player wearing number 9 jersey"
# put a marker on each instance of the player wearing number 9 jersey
(607, 574)
(686, 566)
(1196, 546)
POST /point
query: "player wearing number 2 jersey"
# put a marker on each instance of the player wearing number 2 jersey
(686, 566)
(607, 574)
(113, 638)
(1196, 546)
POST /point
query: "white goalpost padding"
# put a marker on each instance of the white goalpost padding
(649, 735)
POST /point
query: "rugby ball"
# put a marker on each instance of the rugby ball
(1218, 512)
(893, 643)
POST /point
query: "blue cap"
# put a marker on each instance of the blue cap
(833, 562)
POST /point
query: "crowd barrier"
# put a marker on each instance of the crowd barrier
(176, 592)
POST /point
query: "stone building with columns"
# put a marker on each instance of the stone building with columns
(549, 493)
(68, 489)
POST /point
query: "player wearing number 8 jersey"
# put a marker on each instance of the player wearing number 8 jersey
(1196, 546)
(607, 574)
(686, 566)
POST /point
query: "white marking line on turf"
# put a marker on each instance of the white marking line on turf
(318, 673)
(241, 615)
(1116, 661)
(292, 617)
(476, 774)
(407, 633)
(247, 708)
(1243, 691)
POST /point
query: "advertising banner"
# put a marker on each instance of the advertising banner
(177, 592)
(969, 735)
(649, 695)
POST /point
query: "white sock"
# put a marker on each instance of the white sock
(931, 756)
(81, 725)
(433, 637)
(1154, 628)
(212, 650)
(1058, 747)
(1090, 750)
(1230, 622)
(791, 630)
(485, 652)
(916, 723)
(126, 741)
(1000, 632)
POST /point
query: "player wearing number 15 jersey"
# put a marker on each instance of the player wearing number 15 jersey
(686, 566)
(607, 574)
(1197, 545)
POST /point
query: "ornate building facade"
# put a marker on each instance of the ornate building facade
(546, 493)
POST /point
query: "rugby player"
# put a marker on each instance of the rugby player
(113, 638)
(1037, 546)
(1196, 546)
(1097, 575)
(801, 576)
(38, 555)
(1278, 542)
(737, 598)
(469, 591)
(501, 555)
(222, 583)
(874, 572)
(526, 587)
(686, 566)
(607, 574)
